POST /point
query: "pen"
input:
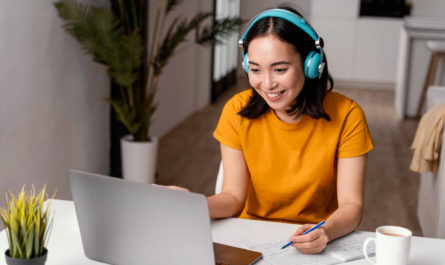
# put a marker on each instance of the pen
(307, 232)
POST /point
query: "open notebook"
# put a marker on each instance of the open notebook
(340, 250)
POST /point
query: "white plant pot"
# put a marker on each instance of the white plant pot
(139, 159)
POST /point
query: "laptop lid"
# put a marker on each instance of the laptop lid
(128, 223)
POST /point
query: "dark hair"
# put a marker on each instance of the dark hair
(310, 99)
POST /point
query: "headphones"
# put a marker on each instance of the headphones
(313, 64)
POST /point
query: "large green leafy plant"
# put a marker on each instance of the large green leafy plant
(115, 40)
(28, 222)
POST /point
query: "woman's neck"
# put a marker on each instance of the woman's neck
(285, 117)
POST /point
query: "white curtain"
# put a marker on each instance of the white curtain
(225, 57)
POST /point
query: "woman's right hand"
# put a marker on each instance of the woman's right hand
(231, 200)
(311, 243)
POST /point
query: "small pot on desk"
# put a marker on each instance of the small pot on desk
(40, 260)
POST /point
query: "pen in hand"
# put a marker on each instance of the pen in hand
(306, 232)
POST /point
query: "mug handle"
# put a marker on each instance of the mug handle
(365, 245)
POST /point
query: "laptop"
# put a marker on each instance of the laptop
(128, 223)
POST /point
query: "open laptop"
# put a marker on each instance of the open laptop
(127, 223)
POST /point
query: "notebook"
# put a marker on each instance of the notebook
(123, 222)
(341, 250)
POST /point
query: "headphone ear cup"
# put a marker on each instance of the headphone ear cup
(245, 63)
(311, 65)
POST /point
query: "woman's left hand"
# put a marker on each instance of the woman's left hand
(311, 243)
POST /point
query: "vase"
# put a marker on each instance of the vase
(139, 159)
(34, 261)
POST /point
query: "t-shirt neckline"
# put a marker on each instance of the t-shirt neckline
(285, 125)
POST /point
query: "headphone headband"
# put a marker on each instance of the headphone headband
(285, 14)
(314, 64)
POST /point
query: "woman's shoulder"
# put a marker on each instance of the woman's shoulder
(338, 99)
(338, 103)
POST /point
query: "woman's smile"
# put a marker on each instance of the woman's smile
(274, 96)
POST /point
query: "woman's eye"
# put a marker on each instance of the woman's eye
(255, 70)
(281, 70)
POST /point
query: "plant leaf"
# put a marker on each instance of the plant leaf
(215, 33)
(29, 240)
(175, 35)
(16, 240)
(101, 35)
(126, 115)
(171, 4)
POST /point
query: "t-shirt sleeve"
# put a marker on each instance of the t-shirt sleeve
(227, 130)
(355, 138)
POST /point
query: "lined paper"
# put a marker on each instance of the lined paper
(340, 250)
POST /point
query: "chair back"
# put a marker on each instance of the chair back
(219, 179)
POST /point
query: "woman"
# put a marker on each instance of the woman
(292, 150)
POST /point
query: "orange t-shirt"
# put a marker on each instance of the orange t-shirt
(292, 166)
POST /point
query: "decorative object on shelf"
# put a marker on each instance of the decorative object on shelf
(28, 220)
(408, 8)
(114, 39)
(386, 8)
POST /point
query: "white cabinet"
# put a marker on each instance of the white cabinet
(359, 49)
(413, 61)
(377, 49)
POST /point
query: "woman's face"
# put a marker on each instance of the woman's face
(275, 72)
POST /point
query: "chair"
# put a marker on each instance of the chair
(219, 179)
(438, 51)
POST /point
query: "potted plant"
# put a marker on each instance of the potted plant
(115, 40)
(27, 220)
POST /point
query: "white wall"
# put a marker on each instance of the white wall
(184, 86)
(335, 22)
(250, 8)
(52, 113)
(428, 8)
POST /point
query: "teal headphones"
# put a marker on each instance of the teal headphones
(313, 64)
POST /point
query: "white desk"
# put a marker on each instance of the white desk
(65, 246)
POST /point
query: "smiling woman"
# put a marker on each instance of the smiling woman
(292, 150)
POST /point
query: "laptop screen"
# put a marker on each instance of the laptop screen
(123, 222)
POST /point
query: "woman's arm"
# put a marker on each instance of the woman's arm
(230, 201)
(350, 183)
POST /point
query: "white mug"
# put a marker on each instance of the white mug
(392, 245)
